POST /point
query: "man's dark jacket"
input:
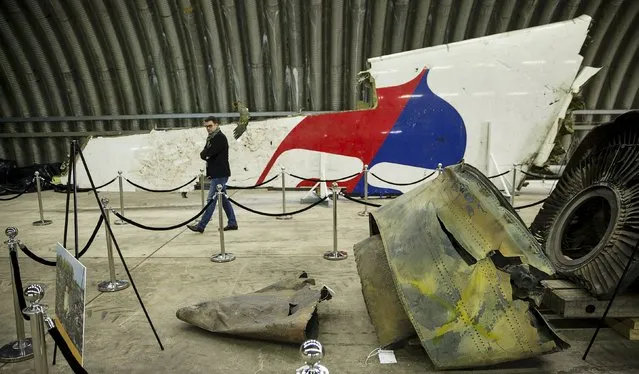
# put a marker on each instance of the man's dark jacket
(216, 155)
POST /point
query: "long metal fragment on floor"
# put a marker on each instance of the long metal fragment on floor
(284, 311)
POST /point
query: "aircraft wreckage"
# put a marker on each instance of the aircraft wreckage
(589, 225)
(450, 261)
(466, 271)
(285, 311)
(465, 274)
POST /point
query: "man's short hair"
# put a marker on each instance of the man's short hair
(212, 118)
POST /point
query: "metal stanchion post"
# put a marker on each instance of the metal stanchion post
(514, 189)
(113, 284)
(365, 211)
(121, 182)
(33, 294)
(20, 349)
(202, 192)
(284, 196)
(312, 352)
(42, 221)
(335, 255)
(203, 195)
(222, 256)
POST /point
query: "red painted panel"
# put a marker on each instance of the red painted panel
(357, 133)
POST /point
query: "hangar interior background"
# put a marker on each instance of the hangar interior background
(66, 63)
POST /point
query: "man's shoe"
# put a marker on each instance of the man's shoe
(195, 228)
(227, 228)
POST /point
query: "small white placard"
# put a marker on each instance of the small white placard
(386, 357)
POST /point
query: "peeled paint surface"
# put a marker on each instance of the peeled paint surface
(452, 284)
(166, 159)
(284, 312)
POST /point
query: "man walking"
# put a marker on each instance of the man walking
(216, 155)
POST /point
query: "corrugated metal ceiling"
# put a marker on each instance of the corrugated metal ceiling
(106, 57)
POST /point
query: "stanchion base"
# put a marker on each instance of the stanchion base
(223, 257)
(335, 256)
(283, 217)
(112, 286)
(43, 222)
(12, 353)
(363, 214)
(119, 222)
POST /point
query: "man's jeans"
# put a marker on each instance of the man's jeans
(226, 204)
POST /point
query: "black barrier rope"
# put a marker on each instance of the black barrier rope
(93, 235)
(17, 281)
(277, 214)
(86, 189)
(325, 180)
(42, 261)
(9, 190)
(529, 205)
(18, 195)
(405, 184)
(251, 187)
(360, 201)
(35, 257)
(162, 228)
(98, 187)
(151, 190)
(66, 351)
(499, 175)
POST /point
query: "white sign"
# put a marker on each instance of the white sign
(386, 357)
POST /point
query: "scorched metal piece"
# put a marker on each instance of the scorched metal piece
(283, 312)
(392, 325)
(453, 246)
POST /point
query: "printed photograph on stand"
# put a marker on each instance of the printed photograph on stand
(69, 300)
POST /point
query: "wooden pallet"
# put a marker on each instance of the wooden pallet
(569, 300)
(628, 327)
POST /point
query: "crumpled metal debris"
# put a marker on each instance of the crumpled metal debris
(284, 311)
(392, 325)
(244, 119)
(465, 271)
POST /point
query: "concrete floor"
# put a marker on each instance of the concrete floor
(172, 269)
